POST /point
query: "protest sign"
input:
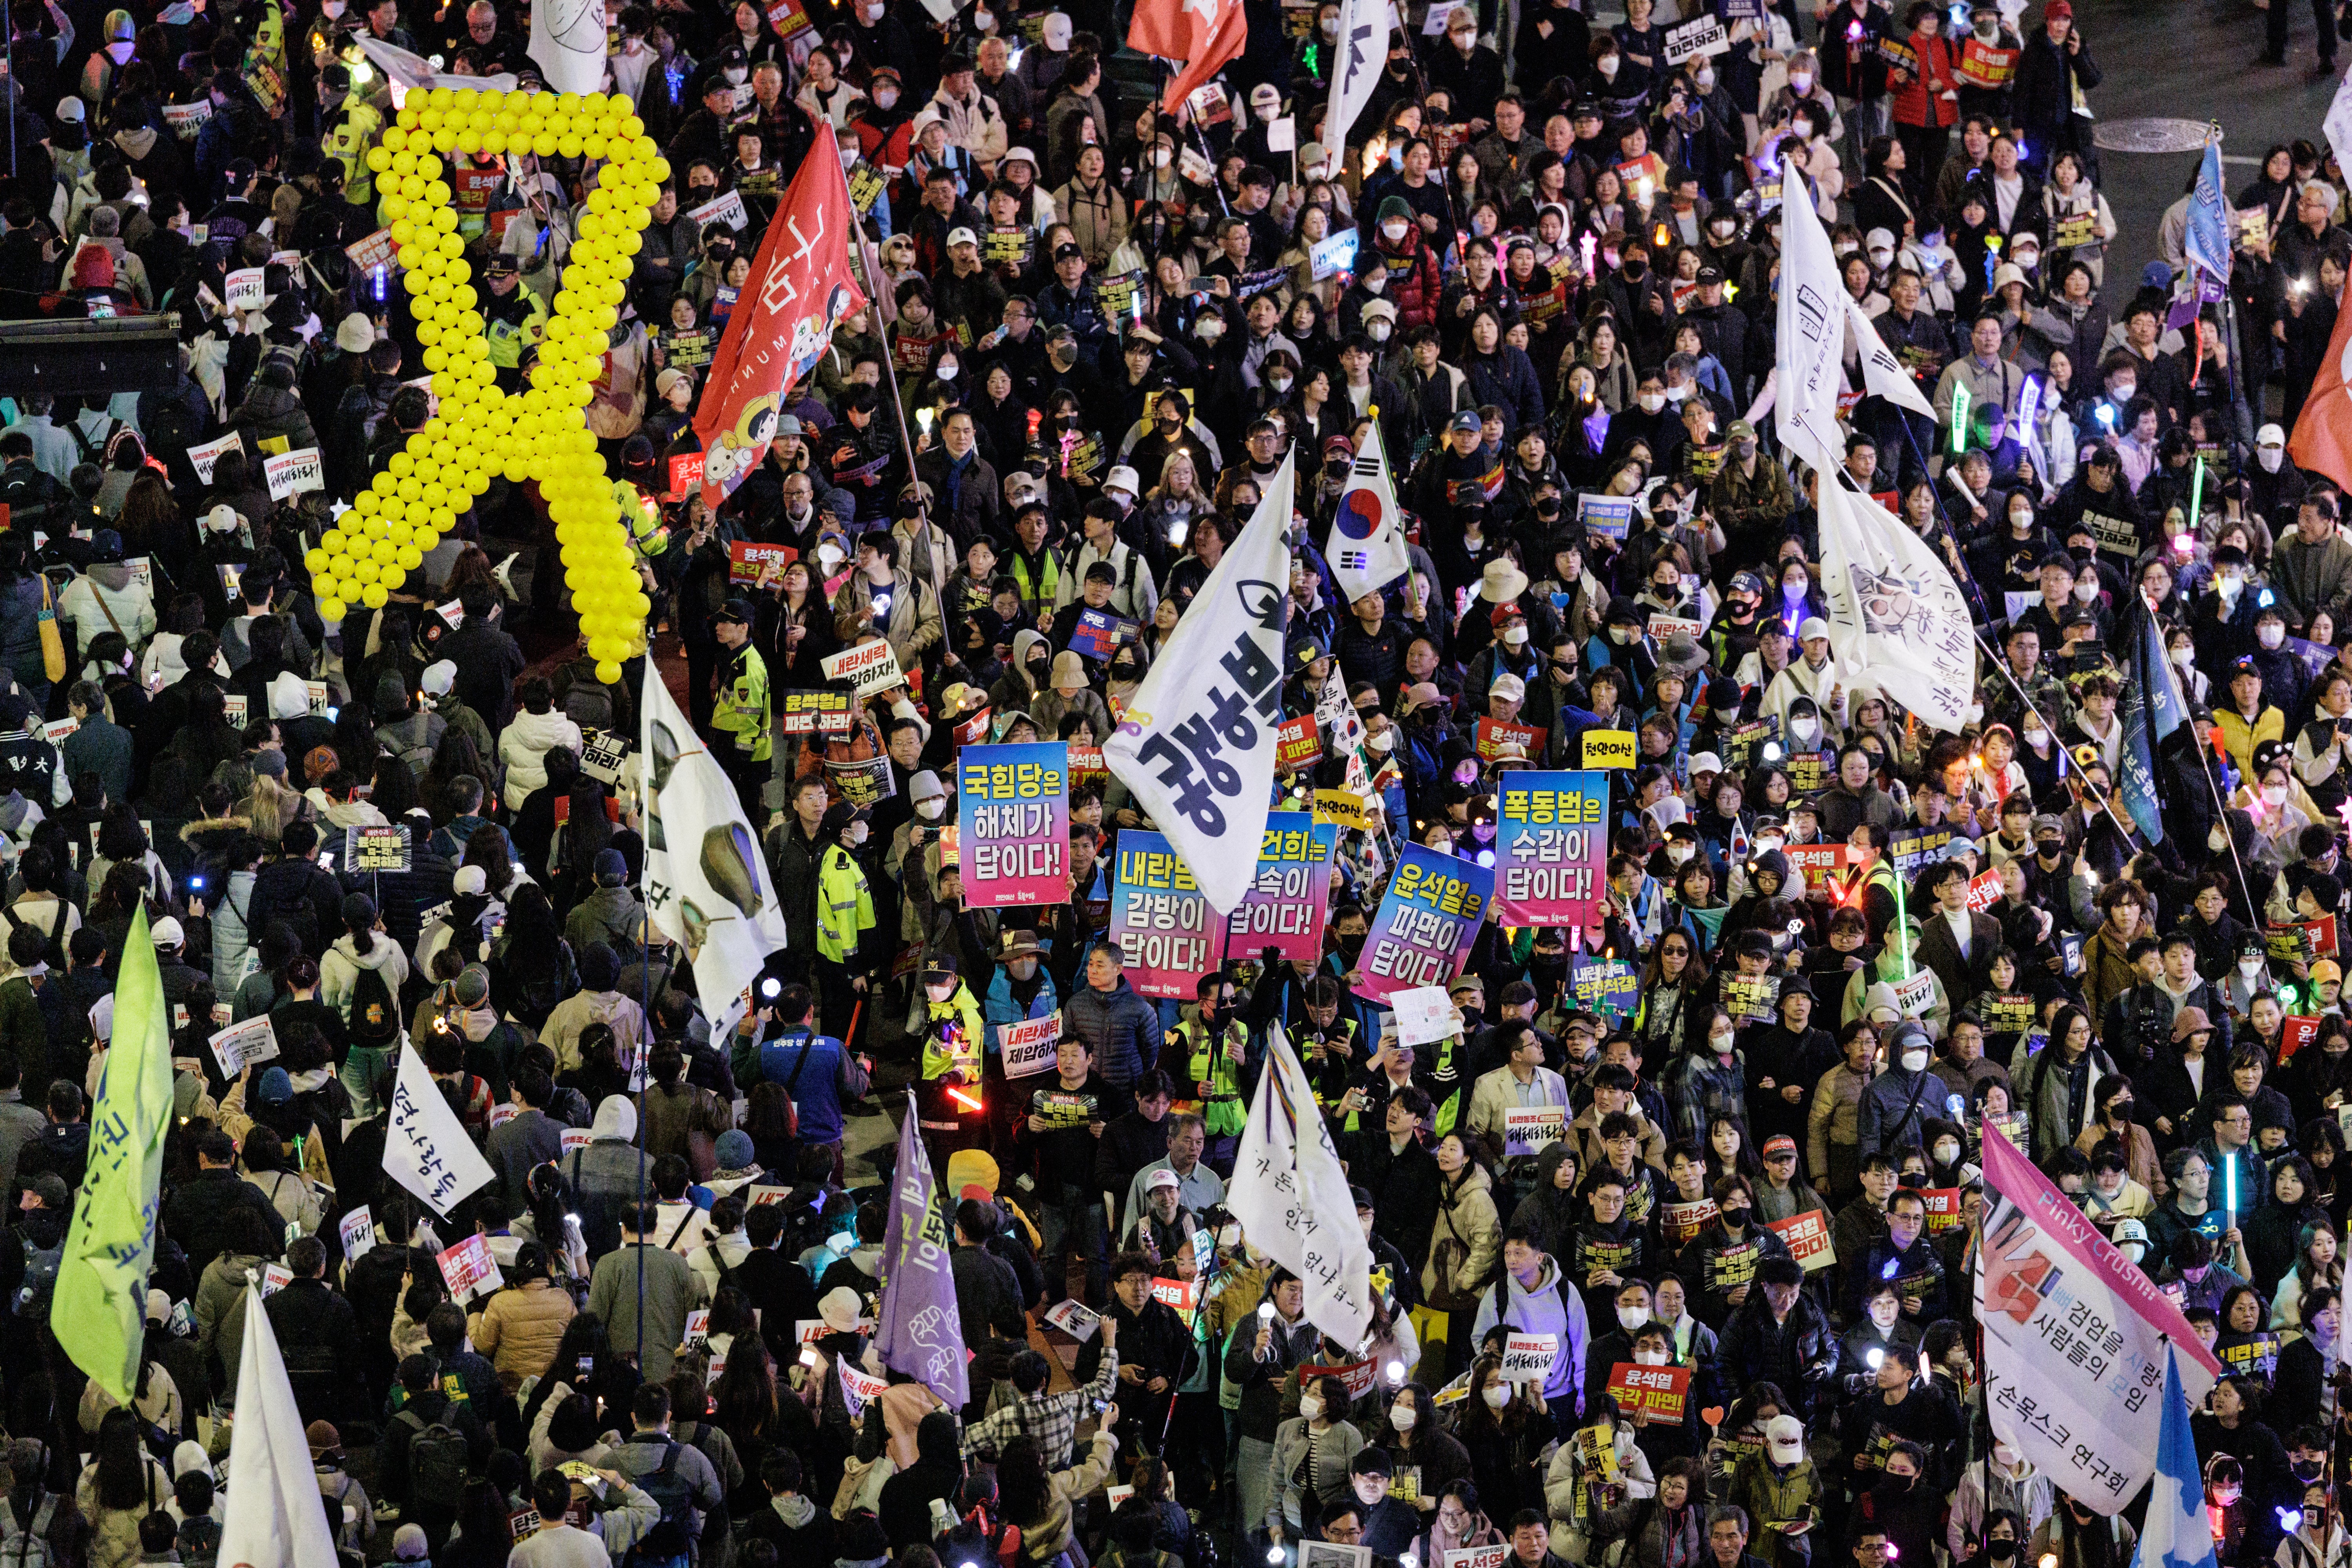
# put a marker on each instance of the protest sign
(203, 457)
(1609, 987)
(1530, 1128)
(241, 1044)
(747, 558)
(815, 714)
(1943, 1208)
(1659, 1390)
(1168, 935)
(868, 668)
(1427, 920)
(469, 1269)
(1028, 1048)
(357, 1229)
(1551, 849)
(1608, 749)
(244, 289)
(1807, 1235)
(1012, 821)
(1288, 902)
(1751, 998)
(1527, 1358)
(385, 849)
(1343, 810)
(1297, 745)
(1493, 736)
(1701, 36)
(290, 473)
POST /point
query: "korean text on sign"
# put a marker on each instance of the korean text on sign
(1426, 922)
(1167, 933)
(1013, 810)
(1551, 849)
(1288, 904)
(1660, 1390)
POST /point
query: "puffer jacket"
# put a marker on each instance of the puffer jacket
(519, 1328)
(270, 411)
(107, 587)
(1466, 1242)
(523, 749)
(338, 974)
(114, 1532)
(230, 937)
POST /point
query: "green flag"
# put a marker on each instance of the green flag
(99, 1311)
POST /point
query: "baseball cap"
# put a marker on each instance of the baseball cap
(1162, 1177)
(962, 236)
(1814, 626)
(1778, 1144)
(1465, 420)
(1706, 763)
(1785, 1436)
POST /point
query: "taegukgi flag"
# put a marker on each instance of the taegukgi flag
(2075, 1340)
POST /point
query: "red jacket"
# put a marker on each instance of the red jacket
(1414, 284)
(1919, 95)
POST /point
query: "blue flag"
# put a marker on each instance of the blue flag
(2152, 710)
(2176, 1535)
(2206, 242)
(919, 1333)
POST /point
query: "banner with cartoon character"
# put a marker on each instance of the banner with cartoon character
(800, 287)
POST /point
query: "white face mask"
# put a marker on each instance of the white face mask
(2249, 967)
(2228, 585)
(939, 993)
(1330, 25)
(1800, 82)
(1631, 1318)
(930, 808)
(1609, 65)
(1498, 1395)
(1402, 1416)
(1211, 328)
(2037, 737)
(885, 98)
(1394, 231)
(1947, 1151)
(874, 13)
(948, 368)
(2181, 655)
(1514, 636)
(2270, 458)
(857, 833)
(2269, 637)
(735, 75)
(2274, 795)
(121, 52)
(1377, 329)
(1915, 1061)
(1704, 80)
(1720, 1042)
(2085, 592)
(1377, 279)
(1649, 1357)
(1767, 843)
(1161, 157)
(1311, 1408)
(1652, 401)
(1280, 383)
(1681, 853)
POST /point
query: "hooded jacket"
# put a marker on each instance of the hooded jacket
(1543, 1308)
(905, 1508)
(339, 973)
(607, 1173)
(523, 748)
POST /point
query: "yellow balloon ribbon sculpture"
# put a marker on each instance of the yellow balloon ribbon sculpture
(480, 430)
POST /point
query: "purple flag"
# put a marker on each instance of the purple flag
(919, 1333)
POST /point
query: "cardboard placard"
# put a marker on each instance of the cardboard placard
(1424, 1014)
(376, 250)
(815, 714)
(1029, 1048)
(275, 1277)
(868, 668)
(1984, 891)
(1607, 748)
(1611, 517)
(727, 209)
(746, 558)
(575, 1138)
(1297, 745)
(201, 458)
(357, 1229)
(1490, 736)
(1532, 1129)
(241, 1044)
(291, 473)
(385, 849)
(1701, 36)
(1943, 1208)
(1345, 810)
(1661, 1390)
(469, 1269)
(1984, 65)
(685, 474)
(244, 289)
(1359, 1375)
(1074, 1318)
(601, 756)
(1527, 1358)
(1807, 1235)
(185, 119)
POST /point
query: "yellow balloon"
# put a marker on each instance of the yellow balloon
(374, 595)
(330, 610)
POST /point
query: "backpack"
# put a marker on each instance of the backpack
(53, 952)
(585, 702)
(41, 1266)
(671, 1537)
(375, 1016)
(436, 1458)
(25, 1547)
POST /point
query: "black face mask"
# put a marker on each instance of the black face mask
(1633, 267)
(1351, 946)
(2001, 1551)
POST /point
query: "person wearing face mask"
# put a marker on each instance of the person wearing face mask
(845, 953)
(1749, 497)
(1896, 1105)
(1720, 1263)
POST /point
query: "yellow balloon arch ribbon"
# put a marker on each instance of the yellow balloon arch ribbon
(480, 430)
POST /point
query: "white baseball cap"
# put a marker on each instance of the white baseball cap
(1814, 626)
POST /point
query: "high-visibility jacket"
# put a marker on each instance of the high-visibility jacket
(512, 324)
(952, 1035)
(741, 709)
(1222, 1112)
(845, 905)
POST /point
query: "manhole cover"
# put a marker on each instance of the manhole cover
(2156, 135)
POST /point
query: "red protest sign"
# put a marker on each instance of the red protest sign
(1662, 1391)
(1943, 1207)
(2293, 1034)
(1818, 862)
(1984, 891)
(1356, 1374)
(1088, 766)
(685, 473)
(1494, 734)
(1297, 745)
(1807, 1235)
(746, 557)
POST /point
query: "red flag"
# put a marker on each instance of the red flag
(800, 287)
(2322, 442)
(1202, 34)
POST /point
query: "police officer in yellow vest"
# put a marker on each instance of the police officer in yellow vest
(513, 319)
(740, 715)
(846, 951)
(354, 125)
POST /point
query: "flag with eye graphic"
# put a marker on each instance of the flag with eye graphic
(800, 287)
(1367, 546)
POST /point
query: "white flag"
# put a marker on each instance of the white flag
(2338, 122)
(567, 44)
(1196, 746)
(1894, 611)
(1291, 1195)
(275, 1513)
(1883, 374)
(1811, 336)
(1368, 549)
(707, 883)
(426, 1148)
(1358, 56)
(412, 72)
